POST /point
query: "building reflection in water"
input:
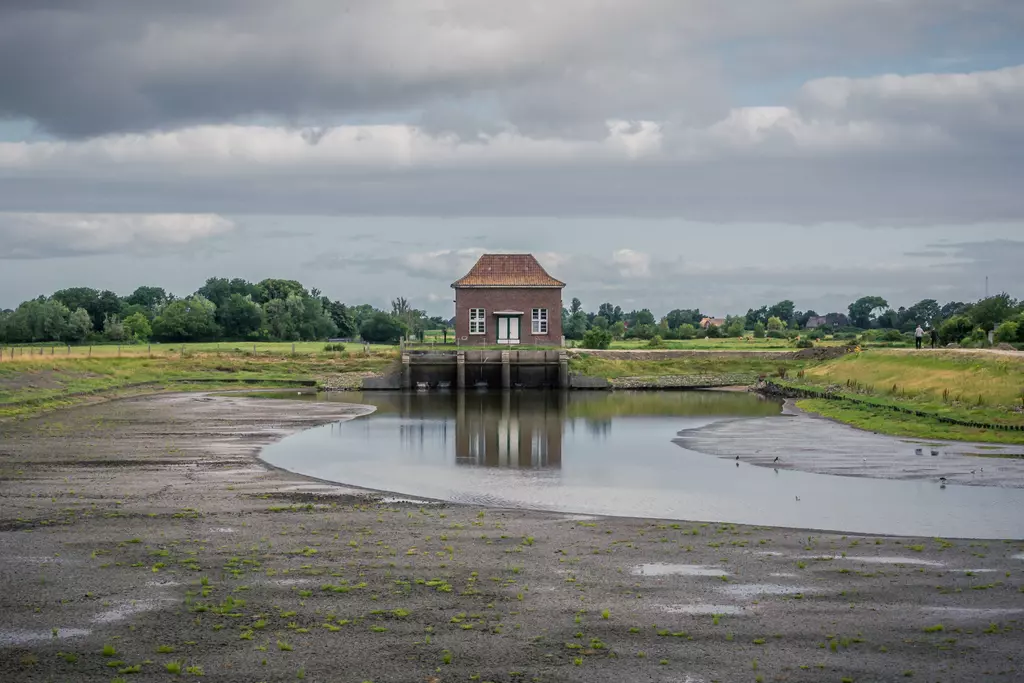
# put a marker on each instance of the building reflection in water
(510, 429)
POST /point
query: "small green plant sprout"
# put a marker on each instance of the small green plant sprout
(938, 628)
(173, 668)
(109, 650)
(164, 649)
(446, 657)
(284, 647)
(301, 673)
(69, 657)
(606, 614)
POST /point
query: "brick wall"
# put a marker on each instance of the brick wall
(510, 299)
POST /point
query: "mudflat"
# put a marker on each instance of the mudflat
(143, 539)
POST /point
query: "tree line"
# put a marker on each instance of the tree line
(285, 310)
(955, 322)
(220, 310)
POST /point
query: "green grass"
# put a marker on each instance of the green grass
(886, 421)
(29, 386)
(930, 378)
(747, 369)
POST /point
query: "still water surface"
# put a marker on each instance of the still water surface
(613, 454)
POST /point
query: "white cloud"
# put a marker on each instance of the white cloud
(632, 264)
(42, 235)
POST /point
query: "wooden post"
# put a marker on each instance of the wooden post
(90, 350)
(118, 350)
(53, 349)
(150, 350)
(293, 348)
(254, 349)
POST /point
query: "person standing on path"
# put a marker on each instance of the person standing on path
(918, 336)
(935, 338)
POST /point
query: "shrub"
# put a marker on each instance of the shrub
(758, 330)
(776, 334)
(805, 344)
(656, 342)
(382, 328)
(954, 330)
(713, 332)
(892, 336)
(686, 331)
(1008, 332)
(595, 338)
(330, 348)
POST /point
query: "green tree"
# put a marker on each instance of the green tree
(137, 327)
(736, 328)
(574, 325)
(686, 331)
(79, 326)
(759, 330)
(783, 310)
(270, 289)
(240, 317)
(595, 338)
(618, 329)
(381, 328)
(576, 306)
(989, 312)
(775, 323)
(150, 298)
(600, 322)
(955, 330)
(187, 320)
(862, 311)
(113, 328)
(343, 318)
(682, 316)
(1008, 332)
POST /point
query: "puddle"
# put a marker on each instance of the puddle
(126, 610)
(162, 584)
(975, 571)
(769, 553)
(783, 576)
(408, 501)
(883, 560)
(1018, 556)
(222, 530)
(294, 582)
(677, 570)
(702, 609)
(752, 590)
(973, 612)
(621, 454)
(9, 638)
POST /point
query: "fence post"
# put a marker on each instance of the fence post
(90, 350)
(118, 350)
(293, 348)
(253, 349)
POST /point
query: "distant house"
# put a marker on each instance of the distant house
(816, 321)
(705, 323)
(508, 299)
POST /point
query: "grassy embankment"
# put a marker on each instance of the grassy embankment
(739, 370)
(32, 385)
(965, 386)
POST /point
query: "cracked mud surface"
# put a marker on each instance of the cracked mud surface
(149, 526)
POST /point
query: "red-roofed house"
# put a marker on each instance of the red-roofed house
(508, 299)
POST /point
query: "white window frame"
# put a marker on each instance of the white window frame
(477, 321)
(540, 321)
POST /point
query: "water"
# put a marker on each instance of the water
(613, 454)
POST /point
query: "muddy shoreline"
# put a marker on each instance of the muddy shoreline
(149, 525)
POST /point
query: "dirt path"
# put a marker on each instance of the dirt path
(149, 527)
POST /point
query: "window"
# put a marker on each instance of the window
(477, 321)
(540, 321)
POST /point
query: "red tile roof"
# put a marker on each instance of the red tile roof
(508, 270)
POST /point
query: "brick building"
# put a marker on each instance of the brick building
(508, 299)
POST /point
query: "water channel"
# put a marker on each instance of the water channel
(616, 454)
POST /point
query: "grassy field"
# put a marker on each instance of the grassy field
(974, 387)
(697, 365)
(43, 351)
(886, 421)
(31, 385)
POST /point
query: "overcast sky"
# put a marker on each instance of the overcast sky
(719, 154)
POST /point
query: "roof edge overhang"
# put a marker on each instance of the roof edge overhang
(456, 285)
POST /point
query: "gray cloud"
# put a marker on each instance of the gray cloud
(543, 66)
(48, 235)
